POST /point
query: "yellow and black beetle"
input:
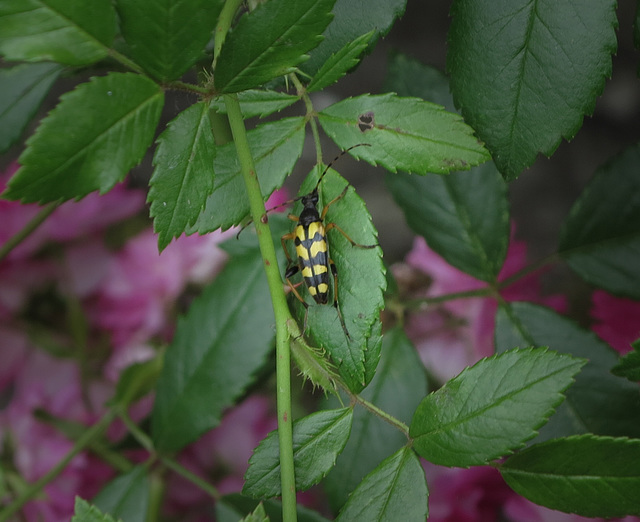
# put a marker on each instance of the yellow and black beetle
(312, 251)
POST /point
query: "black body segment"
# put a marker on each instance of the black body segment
(313, 259)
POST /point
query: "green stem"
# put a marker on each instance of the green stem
(390, 419)
(553, 258)
(130, 64)
(302, 92)
(178, 85)
(145, 441)
(191, 477)
(479, 292)
(18, 238)
(224, 24)
(280, 307)
(83, 442)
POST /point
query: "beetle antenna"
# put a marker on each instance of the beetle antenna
(288, 202)
(336, 159)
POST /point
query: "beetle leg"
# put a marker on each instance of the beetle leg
(334, 271)
(326, 207)
(329, 226)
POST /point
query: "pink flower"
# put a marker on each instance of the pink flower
(133, 299)
(52, 386)
(616, 320)
(70, 221)
(465, 495)
(15, 347)
(457, 333)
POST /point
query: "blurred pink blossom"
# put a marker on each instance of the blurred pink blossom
(128, 294)
(457, 333)
(616, 320)
(465, 495)
(71, 220)
(140, 284)
(53, 386)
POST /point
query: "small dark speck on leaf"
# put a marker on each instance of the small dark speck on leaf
(366, 121)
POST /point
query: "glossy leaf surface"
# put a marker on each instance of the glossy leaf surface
(216, 350)
(269, 41)
(275, 148)
(23, 88)
(395, 490)
(407, 134)
(89, 142)
(64, 31)
(397, 388)
(525, 73)
(588, 475)
(183, 178)
(317, 440)
(598, 402)
(491, 408)
(601, 237)
(167, 37)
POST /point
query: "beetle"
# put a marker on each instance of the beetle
(312, 249)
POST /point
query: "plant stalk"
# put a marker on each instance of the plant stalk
(18, 238)
(83, 442)
(280, 308)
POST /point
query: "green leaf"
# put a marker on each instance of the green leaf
(317, 441)
(395, 490)
(588, 475)
(492, 408)
(137, 380)
(90, 140)
(258, 515)
(629, 365)
(183, 178)
(23, 88)
(275, 148)
(258, 103)
(361, 283)
(167, 37)
(397, 388)
(269, 42)
(85, 512)
(409, 77)
(352, 19)
(525, 73)
(314, 366)
(406, 134)
(216, 351)
(63, 31)
(340, 63)
(464, 216)
(126, 496)
(601, 237)
(597, 402)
